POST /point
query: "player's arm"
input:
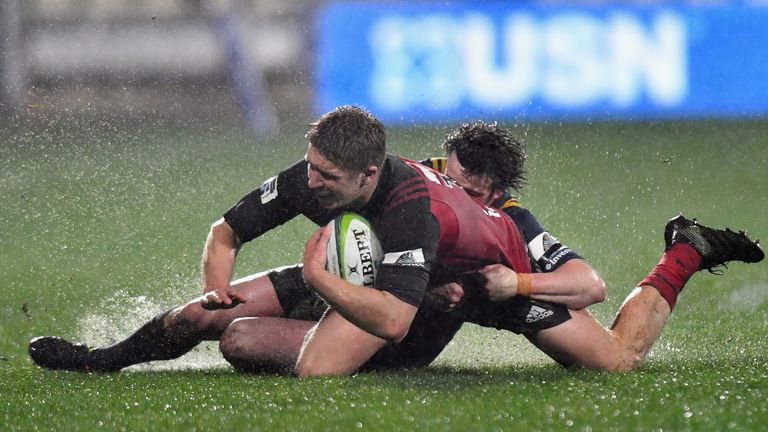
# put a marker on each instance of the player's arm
(219, 255)
(561, 275)
(377, 312)
(278, 200)
(574, 284)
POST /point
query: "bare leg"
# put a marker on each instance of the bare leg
(689, 247)
(265, 344)
(336, 347)
(192, 321)
(583, 341)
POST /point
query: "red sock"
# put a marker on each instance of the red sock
(676, 266)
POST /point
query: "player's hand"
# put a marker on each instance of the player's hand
(446, 297)
(501, 282)
(220, 299)
(315, 253)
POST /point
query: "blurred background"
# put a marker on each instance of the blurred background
(266, 62)
(208, 60)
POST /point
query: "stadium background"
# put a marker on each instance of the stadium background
(128, 127)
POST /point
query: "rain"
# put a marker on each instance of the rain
(128, 128)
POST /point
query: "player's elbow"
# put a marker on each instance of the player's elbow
(593, 291)
(394, 331)
(221, 233)
(394, 326)
(597, 289)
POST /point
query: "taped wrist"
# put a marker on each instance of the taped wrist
(524, 284)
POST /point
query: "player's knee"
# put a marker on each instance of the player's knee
(305, 368)
(624, 361)
(190, 319)
(632, 360)
(231, 342)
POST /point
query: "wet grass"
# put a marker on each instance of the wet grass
(103, 222)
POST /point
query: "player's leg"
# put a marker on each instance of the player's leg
(264, 344)
(275, 293)
(335, 346)
(690, 247)
(273, 344)
(169, 334)
(431, 331)
(583, 341)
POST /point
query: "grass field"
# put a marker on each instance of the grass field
(103, 222)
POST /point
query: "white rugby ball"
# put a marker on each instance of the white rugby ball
(354, 251)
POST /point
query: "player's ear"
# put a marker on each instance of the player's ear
(369, 174)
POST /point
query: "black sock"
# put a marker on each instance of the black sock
(150, 342)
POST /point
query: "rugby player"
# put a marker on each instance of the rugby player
(478, 156)
(431, 232)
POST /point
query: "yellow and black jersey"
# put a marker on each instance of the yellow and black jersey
(545, 250)
(439, 164)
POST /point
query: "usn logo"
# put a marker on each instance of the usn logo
(566, 59)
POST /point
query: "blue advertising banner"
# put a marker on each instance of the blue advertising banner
(419, 62)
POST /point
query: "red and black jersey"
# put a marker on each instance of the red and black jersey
(546, 252)
(431, 231)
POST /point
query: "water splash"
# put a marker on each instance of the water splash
(748, 297)
(122, 314)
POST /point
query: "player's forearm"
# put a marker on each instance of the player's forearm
(219, 257)
(575, 284)
(377, 312)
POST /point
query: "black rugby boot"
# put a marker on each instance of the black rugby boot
(56, 353)
(716, 246)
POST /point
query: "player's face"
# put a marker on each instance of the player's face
(335, 187)
(478, 187)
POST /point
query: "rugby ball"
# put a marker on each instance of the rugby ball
(354, 252)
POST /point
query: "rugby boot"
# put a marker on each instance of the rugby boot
(716, 246)
(56, 353)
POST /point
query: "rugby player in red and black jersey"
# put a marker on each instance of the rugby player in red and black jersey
(431, 231)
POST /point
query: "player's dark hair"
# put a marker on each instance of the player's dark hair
(487, 149)
(350, 137)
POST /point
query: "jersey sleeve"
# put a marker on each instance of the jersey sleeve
(278, 200)
(409, 235)
(545, 250)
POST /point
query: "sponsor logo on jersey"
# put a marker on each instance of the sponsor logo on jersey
(560, 252)
(546, 251)
(537, 313)
(541, 244)
(410, 258)
(269, 190)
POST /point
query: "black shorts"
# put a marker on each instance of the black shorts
(430, 333)
(298, 301)
(519, 315)
(432, 330)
